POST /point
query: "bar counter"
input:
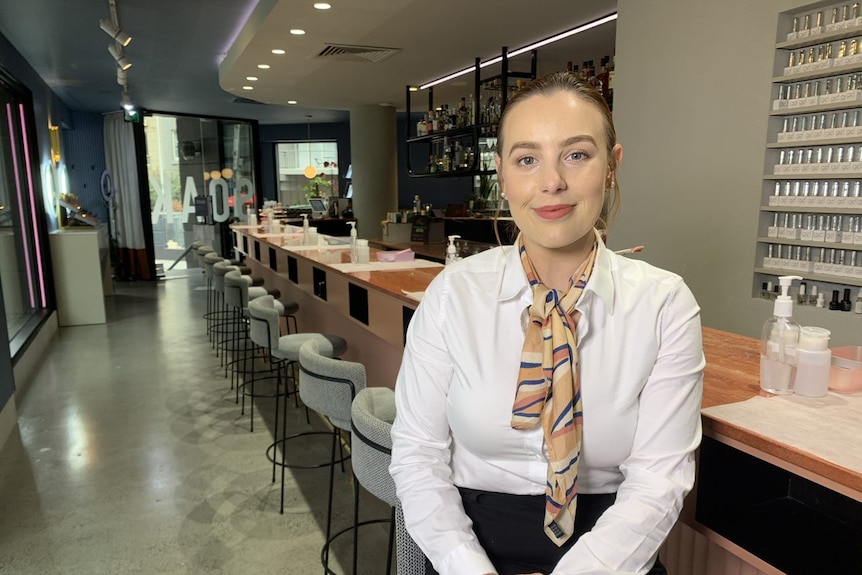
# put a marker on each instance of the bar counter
(376, 339)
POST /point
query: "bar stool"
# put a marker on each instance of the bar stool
(328, 386)
(237, 293)
(264, 318)
(372, 414)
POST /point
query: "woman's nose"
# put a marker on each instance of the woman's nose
(554, 180)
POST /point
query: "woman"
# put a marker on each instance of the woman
(549, 395)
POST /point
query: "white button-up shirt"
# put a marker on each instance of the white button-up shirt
(641, 363)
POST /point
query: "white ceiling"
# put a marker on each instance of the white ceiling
(193, 56)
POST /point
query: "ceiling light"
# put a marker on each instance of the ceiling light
(519, 51)
(309, 171)
(322, 5)
(278, 51)
(413, 89)
(297, 31)
(248, 87)
(127, 101)
(251, 78)
(291, 102)
(263, 66)
(122, 61)
(121, 77)
(114, 32)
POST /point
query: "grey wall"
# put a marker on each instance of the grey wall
(691, 105)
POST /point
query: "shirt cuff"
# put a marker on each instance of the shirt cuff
(467, 559)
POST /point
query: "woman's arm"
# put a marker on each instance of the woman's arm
(421, 443)
(660, 470)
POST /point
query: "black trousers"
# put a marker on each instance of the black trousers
(509, 528)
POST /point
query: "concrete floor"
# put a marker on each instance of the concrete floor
(131, 457)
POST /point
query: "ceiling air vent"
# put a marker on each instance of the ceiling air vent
(350, 53)
(241, 100)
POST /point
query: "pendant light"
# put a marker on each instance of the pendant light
(310, 171)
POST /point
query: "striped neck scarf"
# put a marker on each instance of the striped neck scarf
(549, 390)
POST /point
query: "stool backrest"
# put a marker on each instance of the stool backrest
(209, 261)
(372, 414)
(219, 271)
(328, 385)
(235, 290)
(263, 327)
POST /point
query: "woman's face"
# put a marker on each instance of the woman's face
(554, 170)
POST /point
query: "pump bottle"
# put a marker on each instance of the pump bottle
(814, 362)
(779, 343)
(451, 252)
(352, 242)
(305, 229)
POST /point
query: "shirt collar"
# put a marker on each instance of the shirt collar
(513, 281)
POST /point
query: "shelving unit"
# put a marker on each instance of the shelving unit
(815, 117)
(472, 139)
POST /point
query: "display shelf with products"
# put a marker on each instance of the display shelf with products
(452, 138)
(73, 214)
(810, 221)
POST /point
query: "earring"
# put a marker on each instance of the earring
(503, 195)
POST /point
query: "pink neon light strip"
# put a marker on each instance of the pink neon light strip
(33, 206)
(9, 116)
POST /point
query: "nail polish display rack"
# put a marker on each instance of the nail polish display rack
(811, 209)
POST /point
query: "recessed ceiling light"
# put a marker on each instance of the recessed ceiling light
(297, 31)
(414, 89)
(263, 66)
(291, 101)
(248, 87)
(322, 5)
(251, 78)
(278, 51)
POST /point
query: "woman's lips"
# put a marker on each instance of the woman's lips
(554, 212)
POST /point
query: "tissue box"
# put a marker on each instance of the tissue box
(396, 233)
(846, 373)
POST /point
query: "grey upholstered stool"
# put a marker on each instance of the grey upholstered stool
(265, 331)
(372, 414)
(328, 386)
(238, 291)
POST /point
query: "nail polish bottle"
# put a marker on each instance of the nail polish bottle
(834, 305)
(801, 297)
(764, 293)
(857, 307)
(821, 301)
(812, 298)
(846, 304)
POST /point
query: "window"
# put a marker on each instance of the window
(291, 160)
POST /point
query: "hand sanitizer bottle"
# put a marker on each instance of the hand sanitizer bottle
(814, 362)
(779, 343)
(451, 252)
(305, 229)
(352, 242)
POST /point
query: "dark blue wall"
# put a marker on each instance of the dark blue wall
(439, 192)
(84, 146)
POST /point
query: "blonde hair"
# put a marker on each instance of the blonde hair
(567, 82)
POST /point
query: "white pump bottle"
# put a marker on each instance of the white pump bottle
(451, 252)
(352, 241)
(779, 343)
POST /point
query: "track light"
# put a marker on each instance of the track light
(127, 101)
(114, 32)
(121, 77)
(122, 61)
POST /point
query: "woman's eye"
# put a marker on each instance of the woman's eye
(577, 156)
(527, 161)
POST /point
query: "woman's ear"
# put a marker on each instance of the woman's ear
(617, 152)
(497, 163)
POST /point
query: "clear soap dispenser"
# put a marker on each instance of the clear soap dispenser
(779, 343)
(352, 242)
(304, 229)
(451, 252)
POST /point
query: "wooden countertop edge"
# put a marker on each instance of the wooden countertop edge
(412, 303)
(839, 478)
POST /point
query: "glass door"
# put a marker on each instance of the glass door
(201, 174)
